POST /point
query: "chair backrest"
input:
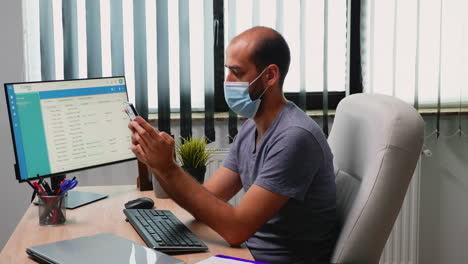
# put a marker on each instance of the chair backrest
(376, 141)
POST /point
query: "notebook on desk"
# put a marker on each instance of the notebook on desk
(98, 249)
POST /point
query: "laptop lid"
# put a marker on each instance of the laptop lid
(98, 249)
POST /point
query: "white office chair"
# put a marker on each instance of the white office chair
(376, 141)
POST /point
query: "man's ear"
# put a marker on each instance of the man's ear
(272, 75)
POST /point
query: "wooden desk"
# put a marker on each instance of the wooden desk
(107, 216)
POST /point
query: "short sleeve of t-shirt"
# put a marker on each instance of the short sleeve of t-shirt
(290, 163)
(231, 161)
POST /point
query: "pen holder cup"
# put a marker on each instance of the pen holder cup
(52, 210)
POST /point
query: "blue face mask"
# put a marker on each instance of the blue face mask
(238, 98)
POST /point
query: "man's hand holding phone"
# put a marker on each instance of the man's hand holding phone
(130, 110)
(154, 148)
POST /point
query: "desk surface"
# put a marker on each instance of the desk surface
(84, 221)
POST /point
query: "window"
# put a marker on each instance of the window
(416, 50)
(301, 22)
(302, 25)
(172, 52)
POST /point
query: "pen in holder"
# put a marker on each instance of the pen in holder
(52, 210)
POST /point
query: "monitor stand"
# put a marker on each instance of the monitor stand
(76, 199)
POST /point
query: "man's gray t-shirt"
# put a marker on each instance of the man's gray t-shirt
(293, 159)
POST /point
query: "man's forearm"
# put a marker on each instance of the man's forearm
(203, 205)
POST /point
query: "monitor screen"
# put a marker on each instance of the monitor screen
(64, 126)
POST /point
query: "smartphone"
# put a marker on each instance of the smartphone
(130, 110)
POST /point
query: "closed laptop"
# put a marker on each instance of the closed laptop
(100, 248)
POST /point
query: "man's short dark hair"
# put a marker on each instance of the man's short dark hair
(272, 50)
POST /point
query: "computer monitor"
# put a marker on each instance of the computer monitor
(59, 127)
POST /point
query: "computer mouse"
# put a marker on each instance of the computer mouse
(140, 203)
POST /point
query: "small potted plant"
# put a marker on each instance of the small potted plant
(194, 156)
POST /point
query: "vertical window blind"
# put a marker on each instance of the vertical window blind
(171, 52)
(416, 50)
(316, 32)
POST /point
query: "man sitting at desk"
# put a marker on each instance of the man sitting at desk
(280, 158)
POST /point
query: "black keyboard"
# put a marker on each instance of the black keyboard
(163, 231)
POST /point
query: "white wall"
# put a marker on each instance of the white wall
(444, 195)
(14, 197)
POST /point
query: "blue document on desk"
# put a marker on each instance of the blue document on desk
(98, 249)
